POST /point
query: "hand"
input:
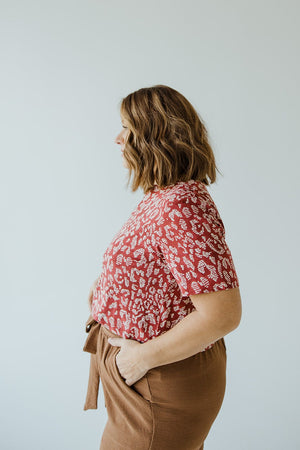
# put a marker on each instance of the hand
(91, 294)
(130, 361)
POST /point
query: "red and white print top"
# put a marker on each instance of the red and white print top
(172, 246)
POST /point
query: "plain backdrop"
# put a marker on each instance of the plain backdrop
(65, 66)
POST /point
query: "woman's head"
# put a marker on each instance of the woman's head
(164, 139)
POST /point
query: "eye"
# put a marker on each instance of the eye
(123, 126)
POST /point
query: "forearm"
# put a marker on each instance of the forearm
(189, 336)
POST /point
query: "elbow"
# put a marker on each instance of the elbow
(237, 317)
(234, 317)
(236, 323)
(235, 314)
(227, 323)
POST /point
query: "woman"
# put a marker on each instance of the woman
(168, 291)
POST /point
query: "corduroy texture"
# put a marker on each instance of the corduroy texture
(170, 407)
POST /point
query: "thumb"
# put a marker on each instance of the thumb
(115, 341)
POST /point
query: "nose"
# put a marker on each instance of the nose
(119, 139)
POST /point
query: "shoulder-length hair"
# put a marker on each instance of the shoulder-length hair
(167, 140)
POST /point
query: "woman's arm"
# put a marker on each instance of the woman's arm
(91, 294)
(217, 314)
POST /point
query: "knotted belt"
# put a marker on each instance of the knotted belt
(92, 328)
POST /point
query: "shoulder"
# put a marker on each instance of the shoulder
(193, 203)
(192, 195)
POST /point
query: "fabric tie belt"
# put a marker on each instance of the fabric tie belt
(92, 327)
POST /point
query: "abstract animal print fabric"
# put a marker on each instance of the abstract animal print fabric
(172, 246)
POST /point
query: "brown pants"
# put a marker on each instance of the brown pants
(171, 407)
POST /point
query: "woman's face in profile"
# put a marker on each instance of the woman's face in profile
(122, 138)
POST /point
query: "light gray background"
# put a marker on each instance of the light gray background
(65, 67)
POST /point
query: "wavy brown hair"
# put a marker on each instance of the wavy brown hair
(167, 140)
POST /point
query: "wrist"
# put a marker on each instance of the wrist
(149, 354)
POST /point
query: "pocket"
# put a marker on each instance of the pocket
(140, 387)
(115, 362)
(224, 344)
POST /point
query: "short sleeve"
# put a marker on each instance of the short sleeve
(190, 236)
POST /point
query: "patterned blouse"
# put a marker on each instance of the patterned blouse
(172, 246)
